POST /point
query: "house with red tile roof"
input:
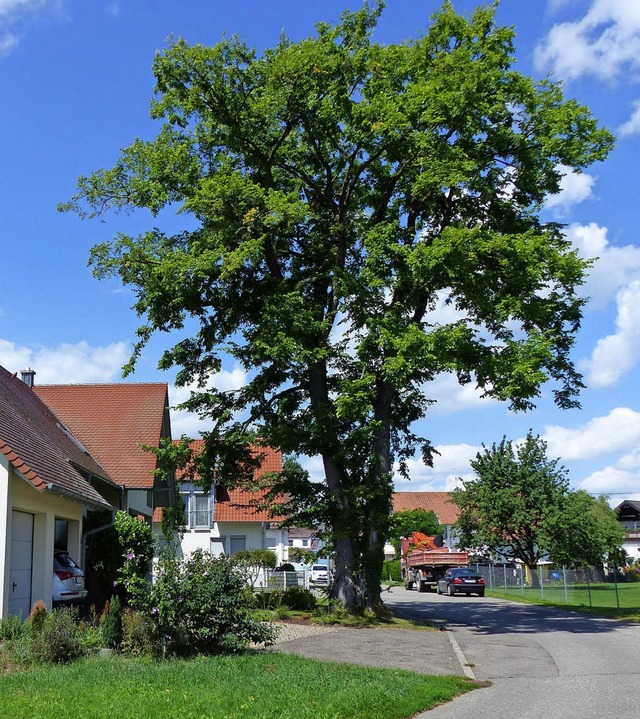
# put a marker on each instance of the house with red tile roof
(437, 502)
(49, 481)
(115, 422)
(227, 521)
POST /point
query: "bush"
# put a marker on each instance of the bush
(299, 599)
(137, 638)
(111, 623)
(267, 600)
(58, 640)
(37, 616)
(391, 570)
(11, 628)
(201, 605)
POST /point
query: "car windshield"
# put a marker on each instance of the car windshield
(462, 573)
(319, 568)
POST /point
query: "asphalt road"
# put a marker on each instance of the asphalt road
(542, 663)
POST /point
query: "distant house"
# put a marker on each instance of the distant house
(114, 422)
(629, 516)
(302, 538)
(49, 482)
(437, 502)
(227, 521)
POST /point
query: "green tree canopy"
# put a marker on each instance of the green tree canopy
(519, 506)
(336, 193)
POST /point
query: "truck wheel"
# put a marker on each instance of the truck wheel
(406, 578)
(419, 584)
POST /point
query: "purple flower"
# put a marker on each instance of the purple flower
(115, 583)
(131, 555)
(180, 599)
(154, 610)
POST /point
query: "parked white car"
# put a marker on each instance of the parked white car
(319, 574)
(68, 579)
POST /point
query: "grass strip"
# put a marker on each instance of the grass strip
(256, 685)
(603, 600)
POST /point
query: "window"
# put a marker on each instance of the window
(237, 544)
(291, 542)
(270, 542)
(305, 542)
(201, 516)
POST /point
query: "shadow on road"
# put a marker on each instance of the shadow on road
(495, 616)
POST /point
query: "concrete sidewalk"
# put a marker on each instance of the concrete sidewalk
(424, 651)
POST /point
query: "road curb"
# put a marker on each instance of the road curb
(464, 665)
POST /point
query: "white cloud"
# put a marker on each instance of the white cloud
(449, 465)
(8, 42)
(615, 267)
(605, 43)
(113, 9)
(13, 12)
(574, 188)
(187, 423)
(452, 397)
(632, 125)
(617, 353)
(610, 480)
(66, 363)
(618, 431)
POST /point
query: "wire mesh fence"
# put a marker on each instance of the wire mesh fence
(582, 586)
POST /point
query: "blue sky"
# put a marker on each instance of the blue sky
(76, 83)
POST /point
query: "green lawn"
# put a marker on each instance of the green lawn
(255, 685)
(603, 598)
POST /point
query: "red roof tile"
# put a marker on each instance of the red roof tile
(239, 505)
(112, 421)
(438, 502)
(41, 448)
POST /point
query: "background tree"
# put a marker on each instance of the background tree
(254, 562)
(300, 555)
(412, 520)
(519, 506)
(337, 192)
(586, 531)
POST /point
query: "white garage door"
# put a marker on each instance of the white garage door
(20, 563)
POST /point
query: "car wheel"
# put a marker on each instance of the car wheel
(481, 593)
(449, 590)
(438, 589)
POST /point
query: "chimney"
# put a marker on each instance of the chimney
(28, 376)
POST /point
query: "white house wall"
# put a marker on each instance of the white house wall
(17, 494)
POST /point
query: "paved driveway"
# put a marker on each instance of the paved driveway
(543, 663)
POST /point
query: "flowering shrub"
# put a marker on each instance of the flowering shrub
(136, 541)
(201, 605)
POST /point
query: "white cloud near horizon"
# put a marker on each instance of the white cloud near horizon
(619, 431)
(605, 43)
(67, 363)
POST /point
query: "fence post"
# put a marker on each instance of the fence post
(564, 580)
(589, 587)
(541, 580)
(504, 572)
